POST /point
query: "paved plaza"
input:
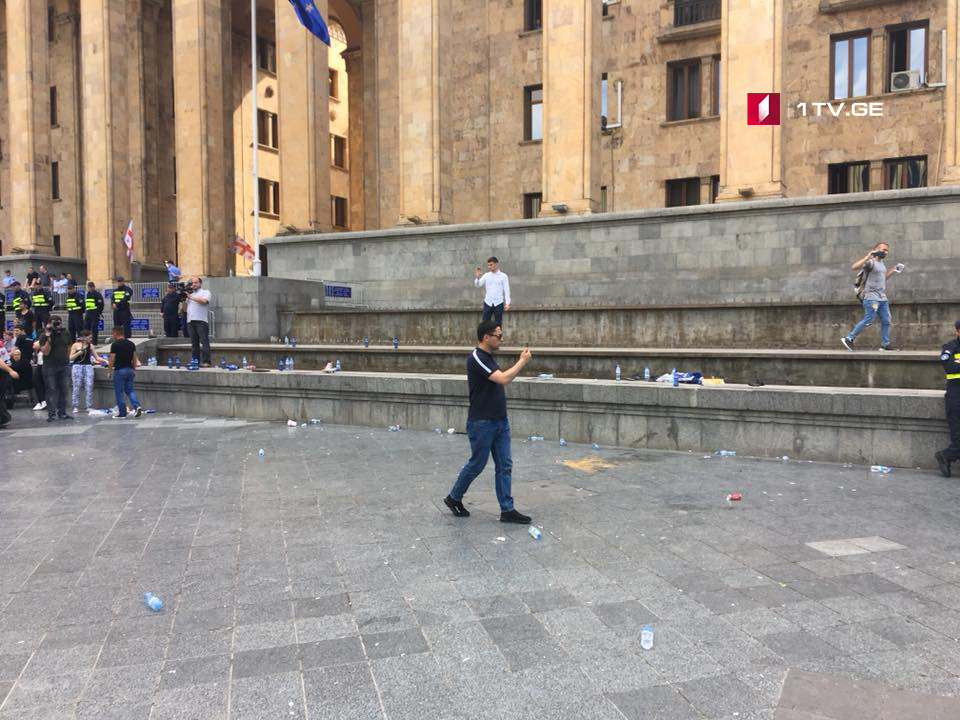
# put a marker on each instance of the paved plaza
(326, 580)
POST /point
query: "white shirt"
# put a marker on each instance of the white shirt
(199, 311)
(497, 285)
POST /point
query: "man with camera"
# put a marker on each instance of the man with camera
(198, 319)
(170, 309)
(55, 346)
(875, 276)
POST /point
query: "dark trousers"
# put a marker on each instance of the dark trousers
(952, 401)
(122, 318)
(41, 315)
(56, 378)
(171, 325)
(74, 325)
(494, 311)
(200, 339)
(184, 326)
(39, 386)
(91, 322)
(4, 389)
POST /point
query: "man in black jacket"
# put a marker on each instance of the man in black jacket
(74, 303)
(950, 359)
(170, 309)
(93, 311)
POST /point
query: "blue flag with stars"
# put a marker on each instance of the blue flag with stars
(311, 19)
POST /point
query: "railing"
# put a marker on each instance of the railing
(343, 294)
(690, 12)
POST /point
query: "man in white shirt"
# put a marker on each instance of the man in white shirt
(198, 317)
(8, 279)
(496, 284)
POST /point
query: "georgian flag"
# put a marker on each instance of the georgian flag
(241, 247)
(128, 240)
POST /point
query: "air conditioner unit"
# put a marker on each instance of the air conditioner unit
(904, 80)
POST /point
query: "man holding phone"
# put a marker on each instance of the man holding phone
(496, 285)
(487, 425)
(874, 295)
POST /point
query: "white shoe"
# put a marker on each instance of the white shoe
(38, 406)
(44, 405)
(138, 412)
(76, 411)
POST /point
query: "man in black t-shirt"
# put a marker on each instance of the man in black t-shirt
(55, 346)
(123, 362)
(487, 425)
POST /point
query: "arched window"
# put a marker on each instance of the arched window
(336, 32)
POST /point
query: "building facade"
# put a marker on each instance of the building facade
(449, 111)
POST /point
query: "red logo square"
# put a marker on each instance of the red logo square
(763, 108)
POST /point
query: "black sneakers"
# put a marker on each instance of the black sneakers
(512, 516)
(887, 348)
(943, 464)
(456, 507)
(848, 344)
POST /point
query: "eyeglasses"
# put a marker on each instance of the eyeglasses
(498, 337)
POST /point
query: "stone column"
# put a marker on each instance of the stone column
(28, 116)
(571, 106)
(136, 119)
(752, 61)
(71, 142)
(951, 170)
(303, 84)
(371, 117)
(201, 73)
(106, 192)
(425, 135)
(354, 60)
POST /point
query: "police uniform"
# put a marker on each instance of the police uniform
(42, 303)
(93, 311)
(74, 314)
(950, 359)
(121, 308)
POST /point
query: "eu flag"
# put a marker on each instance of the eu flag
(310, 18)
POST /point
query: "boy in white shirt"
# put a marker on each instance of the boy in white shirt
(496, 284)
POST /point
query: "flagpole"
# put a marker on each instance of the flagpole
(256, 177)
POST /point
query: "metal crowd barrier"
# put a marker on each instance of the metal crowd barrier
(343, 294)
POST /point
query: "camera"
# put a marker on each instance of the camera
(184, 289)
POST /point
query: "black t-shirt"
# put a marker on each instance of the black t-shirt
(25, 345)
(488, 401)
(123, 352)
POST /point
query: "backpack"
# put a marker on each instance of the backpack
(860, 281)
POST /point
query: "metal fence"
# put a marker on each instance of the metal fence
(144, 322)
(343, 294)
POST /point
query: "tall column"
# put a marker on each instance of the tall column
(424, 41)
(951, 170)
(71, 141)
(354, 60)
(106, 193)
(28, 116)
(136, 119)
(752, 52)
(371, 117)
(304, 116)
(201, 73)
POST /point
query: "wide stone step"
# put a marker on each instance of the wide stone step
(828, 368)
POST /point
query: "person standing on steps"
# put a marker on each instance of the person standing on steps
(875, 276)
(92, 311)
(122, 316)
(487, 425)
(950, 359)
(496, 285)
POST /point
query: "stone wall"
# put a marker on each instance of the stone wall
(249, 307)
(796, 250)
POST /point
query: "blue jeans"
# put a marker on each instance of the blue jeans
(488, 437)
(123, 383)
(872, 308)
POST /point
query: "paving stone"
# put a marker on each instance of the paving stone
(251, 663)
(338, 651)
(662, 702)
(391, 644)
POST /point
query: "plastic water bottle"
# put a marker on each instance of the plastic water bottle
(676, 380)
(178, 362)
(396, 342)
(261, 453)
(280, 365)
(170, 361)
(337, 368)
(536, 438)
(223, 362)
(153, 602)
(646, 374)
(152, 361)
(646, 637)
(286, 340)
(881, 469)
(535, 532)
(289, 362)
(293, 341)
(243, 361)
(563, 443)
(617, 372)
(726, 453)
(596, 446)
(366, 341)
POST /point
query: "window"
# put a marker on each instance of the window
(533, 112)
(51, 24)
(266, 56)
(334, 84)
(908, 50)
(338, 151)
(267, 129)
(338, 211)
(717, 76)
(54, 120)
(269, 197)
(850, 66)
(532, 14)
(690, 12)
(903, 173)
(55, 180)
(531, 205)
(714, 188)
(604, 115)
(683, 192)
(848, 177)
(56, 245)
(684, 90)
(603, 198)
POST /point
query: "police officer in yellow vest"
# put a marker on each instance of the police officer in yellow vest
(74, 312)
(93, 311)
(20, 304)
(121, 307)
(950, 359)
(42, 303)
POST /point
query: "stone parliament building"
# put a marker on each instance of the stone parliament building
(431, 112)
